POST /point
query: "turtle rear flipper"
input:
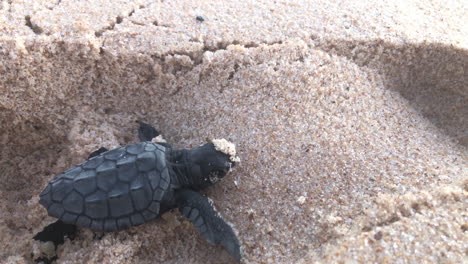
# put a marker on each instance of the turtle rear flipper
(200, 211)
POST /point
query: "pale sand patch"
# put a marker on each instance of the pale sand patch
(227, 148)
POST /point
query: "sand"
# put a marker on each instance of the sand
(350, 120)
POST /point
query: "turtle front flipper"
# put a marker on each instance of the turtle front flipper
(200, 211)
(97, 152)
(146, 132)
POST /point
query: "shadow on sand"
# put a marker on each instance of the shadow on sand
(432, 77)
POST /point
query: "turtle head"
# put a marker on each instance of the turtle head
(208, 164)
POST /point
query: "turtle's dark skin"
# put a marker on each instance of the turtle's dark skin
(128, 186)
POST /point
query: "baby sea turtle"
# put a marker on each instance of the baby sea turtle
(128, 186)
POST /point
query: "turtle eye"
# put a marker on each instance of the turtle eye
(214, 176)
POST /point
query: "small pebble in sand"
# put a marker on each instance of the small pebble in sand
(301, 200)
(48, 248)
(158, 139)
(200, 18)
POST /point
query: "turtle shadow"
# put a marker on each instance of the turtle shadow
(432, 77)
